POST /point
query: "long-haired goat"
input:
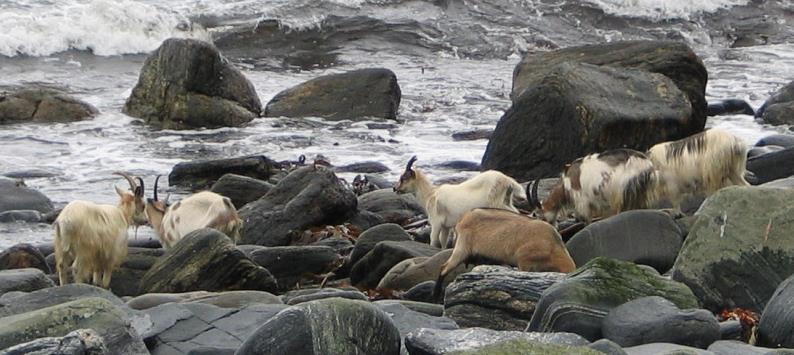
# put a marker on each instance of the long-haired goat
(601, 184)
(446, 204)
(201, 210)
(510, 238)
(704, 162)
(92, 238)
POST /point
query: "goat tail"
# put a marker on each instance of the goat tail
(62, 238)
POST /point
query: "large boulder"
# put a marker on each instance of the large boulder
(777, 320)
(329, 326)
(241, 189)
(40, 104)
(408, 320)
(369, 270)
(411, 272)
(127, 278)
(22, 256)
(353, 95)
(14, 195)
(25, 280)
(772, 166)
(578, 109)
(674, 60)
(496, 297)
(779, 108)
(206, 260)
(392, 207)
(579, 303)
(289, 265)
(646, 237)
(97, 314)
(740, 248)
(201, 174)
(227, 299)
(657, 320)
(186, 83)
(18, 302)
(78, 342)
(309, 196)
(371, 237)
(427, 341)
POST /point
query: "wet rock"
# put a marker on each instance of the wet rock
(742, 236)
(182, 328)
(757, 151)
(472, 135)
(353, 95)
(289, 265)
(241, 189)
(496, 297)
(29, 216)
(657, 320)
(408, 320)
(779, 108)
(775, 328)
(422, 292)
(341, 245)
(645, 237)
(607, 346)
(371, 237)
(579, 303)
(370, 269)
(730, 107)
(186, 83)
(733, 347)
(206, 260)
(127, 278)
(227, 299)
(664, 348)
(329, 326)
(17, 303)
(393, 208)
(201, 174)
(460, 165)
(781, 140)
(25, 280)
(16, 197)
(41, 104)
(440, 341)
(306, 197)
(772, 166)
(411, 272)
(367, 167)
(22, 256)
(78, 342)
(98, 314)
(564, 116)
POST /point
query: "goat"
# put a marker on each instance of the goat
(601, 184)
(704, 162)
(201, 210)
(92, 238)
(507, 237)
(445, 204)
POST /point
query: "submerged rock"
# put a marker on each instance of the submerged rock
(200, 174)
(41, 104)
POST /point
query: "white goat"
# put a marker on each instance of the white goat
(446, 204)
(601, 184)
(200, 210)
(92, 238)
(704, 162)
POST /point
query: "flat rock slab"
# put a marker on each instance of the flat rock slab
(228, 299)
(440, 341)
(665, 348)
(734, 347)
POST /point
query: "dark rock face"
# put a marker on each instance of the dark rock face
(772, 166)
(422, 292)
(206, 260)
(742, 236)
(393, 208)
(472, 135)
(577, 109)
(186, 83)
(779, 108)
(25, 280)
(370, 269)
(782, 140)
(22, 256)
(99, 314)
(354, 95)
(202, 174)
(645, 237)
(408, 320)
(775, 328)
(367, 167)
(241, 189)
(496, 297)
(730, 107)
(16, 196)
(439, 341)
(579, 303)
(306, 197)
(290, 264)
(657, 320)
(674, 60)
(78, 342)
(758, 151)
(38, 104)
(127, 278)
(29, 216)
(371, 237)
(329, 326)
(409, 273)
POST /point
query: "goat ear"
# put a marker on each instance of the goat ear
(119, 191)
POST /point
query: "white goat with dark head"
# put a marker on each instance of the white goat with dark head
(600, 185)
(445, 204)
(201, 210)
(701, 163)
(92, 238)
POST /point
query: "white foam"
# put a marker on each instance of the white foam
(663, 9)
(104, 27)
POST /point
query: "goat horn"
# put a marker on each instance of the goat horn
(156, 180)
(129, 178)
(534, 194)
(138, 192)
(410, 163)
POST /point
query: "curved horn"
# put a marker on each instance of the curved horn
(139, 192)
(410, 163)
(128, 177)
(534, 193)
(156, 180)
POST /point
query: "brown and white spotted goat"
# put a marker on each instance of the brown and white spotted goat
(201, 210)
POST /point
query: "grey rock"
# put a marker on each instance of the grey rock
(733, 347)
(201, 174)
(367, 167)
(25, 280)
(241, 189)
(440, 341)
(411, 272)
(607, 346)
(15, 198)
(370, 269)
(408, 320)
(23, 255)
(772, 166)
(28, 302)
(422, 292)
(29, 216)
(431, 309)
(784, 183)
(78, 342)
(780, 140)
(227, 299)
(41, 104)
(758, 151)
(472, 135)
(393, 208)
(775, 327)
(127, 278)
(302, 296)
(665, 349)
(371, 237)
(289, 265)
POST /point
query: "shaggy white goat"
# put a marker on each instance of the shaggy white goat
(92, 238)
(200, 210)
(446, 204)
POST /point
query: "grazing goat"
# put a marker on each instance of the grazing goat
(704, 162)
(601, 184)
(200, 210)
(446, 204)
(92, 238)
(507, 237)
